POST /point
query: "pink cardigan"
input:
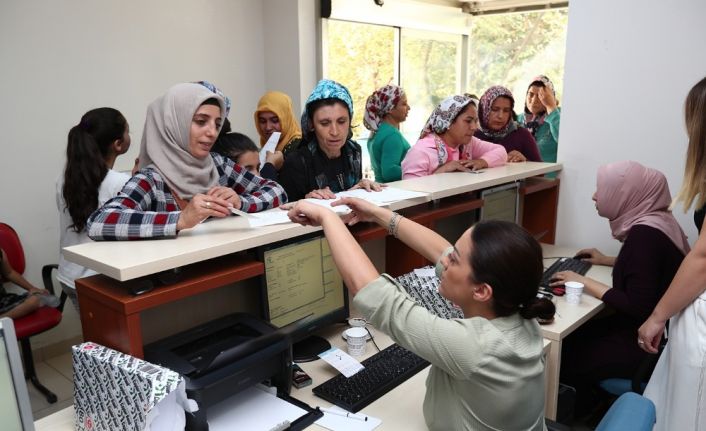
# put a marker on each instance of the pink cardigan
(423, 159)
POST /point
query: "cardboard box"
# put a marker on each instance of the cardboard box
(115, 391)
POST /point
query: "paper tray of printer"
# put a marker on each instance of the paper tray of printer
(257, 408)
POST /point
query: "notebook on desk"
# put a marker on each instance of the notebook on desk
(15, 409)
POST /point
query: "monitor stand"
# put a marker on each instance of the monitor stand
(308, 349)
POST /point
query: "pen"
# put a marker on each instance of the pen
(344, 414)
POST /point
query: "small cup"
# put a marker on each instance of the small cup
(574, 290)
(356, 338)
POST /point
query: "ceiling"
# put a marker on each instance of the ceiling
(480, 7)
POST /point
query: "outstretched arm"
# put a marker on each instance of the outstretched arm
(419, 238)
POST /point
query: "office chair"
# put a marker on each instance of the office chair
(618, 386)
(629, 412)
(41, 320)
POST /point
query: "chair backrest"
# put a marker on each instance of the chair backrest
(629, 412)
(10, 242)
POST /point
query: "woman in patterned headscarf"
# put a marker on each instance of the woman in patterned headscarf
(542, 115)
(447, 143)
(327, 160)
(385, 109)
(497, 124)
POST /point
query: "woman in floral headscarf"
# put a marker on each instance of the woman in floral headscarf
(447, 144)
(497, 125)
(385, 109)
(542, 116)
(327, 160)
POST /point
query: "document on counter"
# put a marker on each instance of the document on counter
(338, 419)
(252, 409)
(342, 361)
(264, 218)
(279, 216)
(385, 196)
(270, 145)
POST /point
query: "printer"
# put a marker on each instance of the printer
(225, 356)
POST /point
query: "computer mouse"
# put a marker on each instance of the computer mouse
(582, 256)
(558, 291)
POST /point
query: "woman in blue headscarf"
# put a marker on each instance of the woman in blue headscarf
(327, 161)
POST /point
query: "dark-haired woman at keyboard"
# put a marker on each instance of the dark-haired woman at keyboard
(488, 368)
(636, 201)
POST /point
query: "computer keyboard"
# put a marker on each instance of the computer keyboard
(425, 291)
(564, 264)
(383, 372)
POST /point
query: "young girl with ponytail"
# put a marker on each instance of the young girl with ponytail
(88, 182)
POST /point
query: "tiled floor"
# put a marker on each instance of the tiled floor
(57, 375)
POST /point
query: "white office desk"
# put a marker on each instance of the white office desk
(125, 260)
(399, 409)
(567, 319)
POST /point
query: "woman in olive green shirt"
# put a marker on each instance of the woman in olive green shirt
(488, 368)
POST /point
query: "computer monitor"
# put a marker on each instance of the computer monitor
(501, 203)
(15, 410)
(303, 290)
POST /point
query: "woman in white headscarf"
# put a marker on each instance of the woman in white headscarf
(447, 143)
(181, 182)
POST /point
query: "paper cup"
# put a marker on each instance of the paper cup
(574, 290)
(355, 337)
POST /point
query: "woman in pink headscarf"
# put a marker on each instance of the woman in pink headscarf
(635, 199)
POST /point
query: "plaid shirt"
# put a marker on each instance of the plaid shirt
(146, 208)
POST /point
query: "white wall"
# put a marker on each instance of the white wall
(61, 58)
(629, 66)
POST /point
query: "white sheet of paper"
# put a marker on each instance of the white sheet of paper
(270, 145)
(342, 423)
(252, 409)
(263, 218)
(385, 196)
(339, 209)
(342, 361)
(278, 216)
(425, 272)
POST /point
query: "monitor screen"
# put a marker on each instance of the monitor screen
(501, 203)
(15, 409)
(303, 288)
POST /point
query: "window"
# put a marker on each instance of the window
(361, 57)
(430, 72)
(442, 60)
(511, 49)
